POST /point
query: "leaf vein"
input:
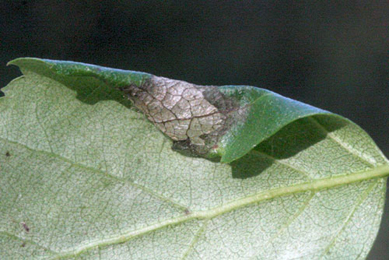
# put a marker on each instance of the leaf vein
(136, 185)
(195, 239)
(346, 221)
(341, 143)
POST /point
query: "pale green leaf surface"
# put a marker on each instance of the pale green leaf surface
(93, 179)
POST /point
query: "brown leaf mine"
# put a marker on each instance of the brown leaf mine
(192, 116)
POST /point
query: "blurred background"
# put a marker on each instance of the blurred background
(330, 54)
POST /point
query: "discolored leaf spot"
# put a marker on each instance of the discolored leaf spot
(26, 228)
(194, 117)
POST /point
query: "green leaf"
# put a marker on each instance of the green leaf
(83, 175)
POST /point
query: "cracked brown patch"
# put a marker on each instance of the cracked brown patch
(192, 116)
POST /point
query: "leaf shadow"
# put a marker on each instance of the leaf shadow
(286, 143)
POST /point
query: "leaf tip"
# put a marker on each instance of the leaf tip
(13, 62)
(19, 61)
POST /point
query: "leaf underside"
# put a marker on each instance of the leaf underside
(85, 176)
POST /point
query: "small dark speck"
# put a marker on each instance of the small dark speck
(187, 212)
(25, 227)
(23, 244)
(7, 154)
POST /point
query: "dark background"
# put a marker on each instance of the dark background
(330, 54)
